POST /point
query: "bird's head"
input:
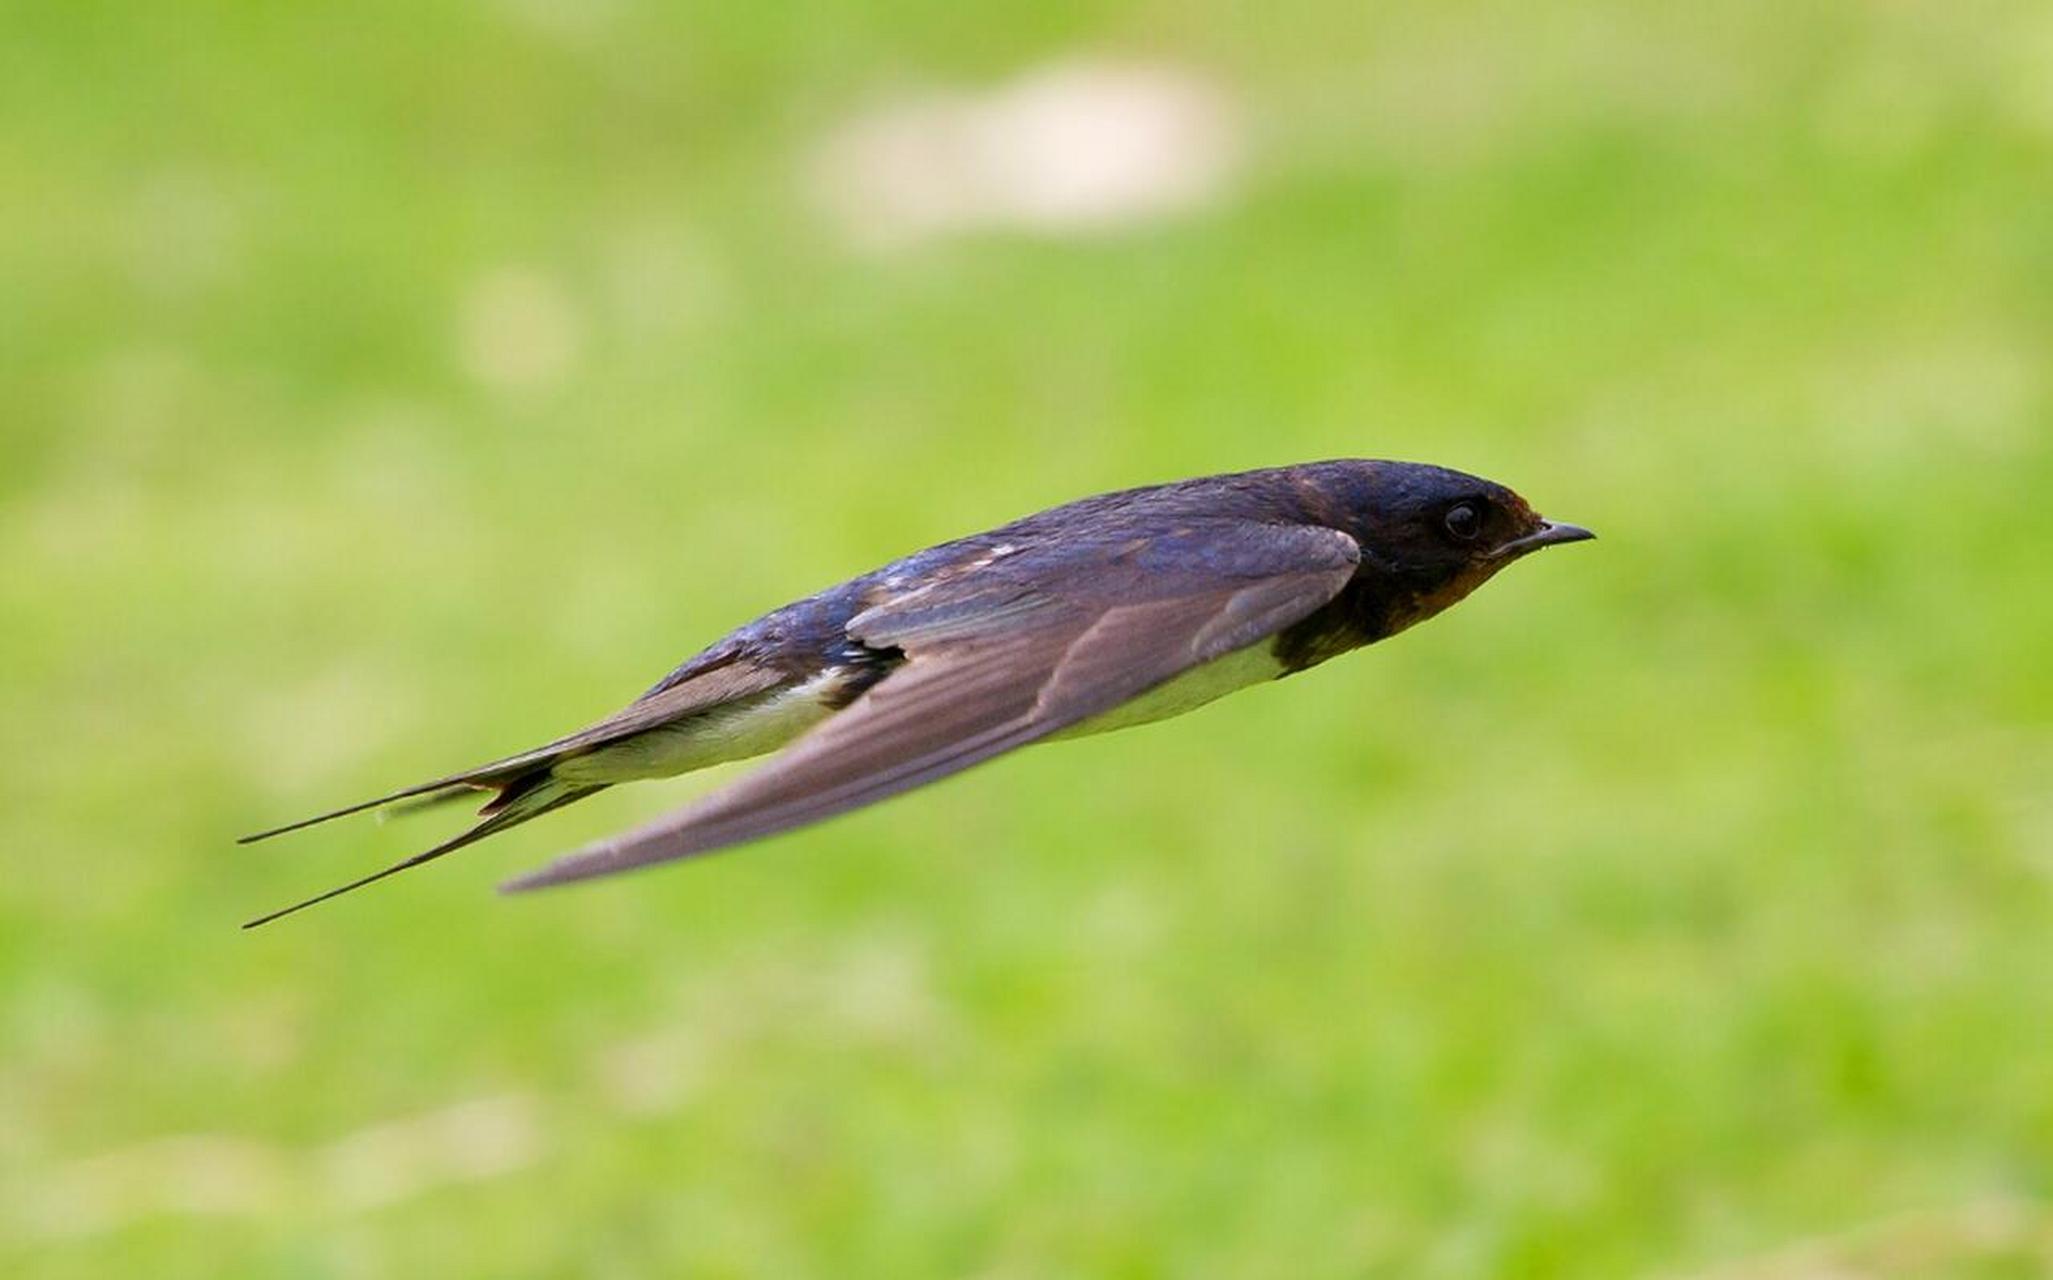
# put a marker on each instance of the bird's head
(1435, 535)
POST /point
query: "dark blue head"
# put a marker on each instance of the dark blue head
(1432, 535)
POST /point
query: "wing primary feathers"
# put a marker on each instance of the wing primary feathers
(790, 791)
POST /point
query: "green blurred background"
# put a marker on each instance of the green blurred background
(387, 386)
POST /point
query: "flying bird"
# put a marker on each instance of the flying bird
(1111, 611)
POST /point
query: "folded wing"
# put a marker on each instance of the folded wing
(999, 656)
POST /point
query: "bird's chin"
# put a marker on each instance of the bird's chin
(1412, 608)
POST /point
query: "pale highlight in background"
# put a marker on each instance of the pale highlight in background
(520, 333)
(1068, 148)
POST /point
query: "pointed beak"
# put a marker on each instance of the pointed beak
(1549, 534)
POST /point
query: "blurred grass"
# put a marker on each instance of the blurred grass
(1678, 902)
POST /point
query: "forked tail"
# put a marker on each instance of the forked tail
(517, 802)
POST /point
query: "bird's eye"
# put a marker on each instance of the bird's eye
(1463, 521)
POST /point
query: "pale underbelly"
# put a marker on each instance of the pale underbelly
(735, 732)
(1253, 665)
(765, 723)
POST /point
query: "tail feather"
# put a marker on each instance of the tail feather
(527, 785)
(510, 809)
(716, 679)
(427, 803)
(511, 777)
(426, 795)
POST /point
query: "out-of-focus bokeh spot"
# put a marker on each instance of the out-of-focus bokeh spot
(519, 332)
(1071, 147)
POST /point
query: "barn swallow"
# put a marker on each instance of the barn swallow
(1112, 611)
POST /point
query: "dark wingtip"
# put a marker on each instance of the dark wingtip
(566, 870)
(526, 882)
